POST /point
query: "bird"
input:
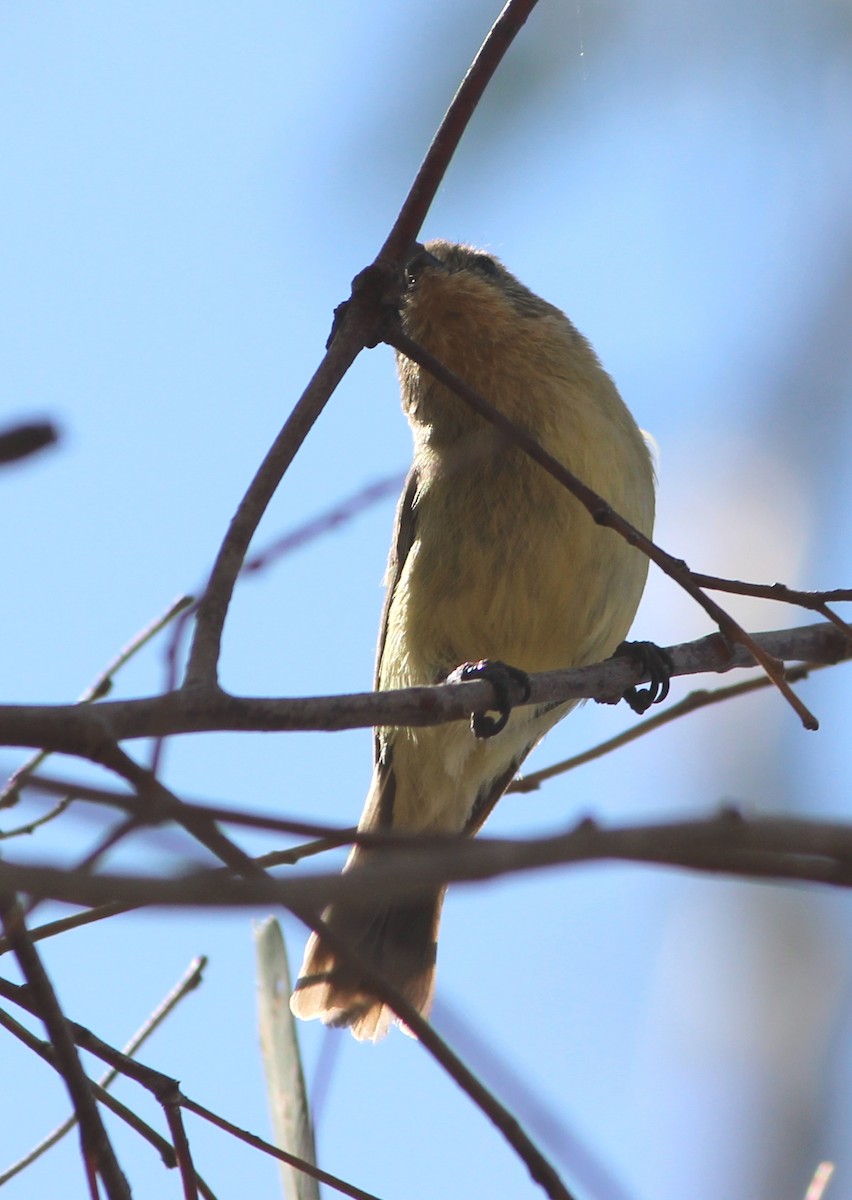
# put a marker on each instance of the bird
(492, 561)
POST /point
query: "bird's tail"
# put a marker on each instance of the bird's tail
(397, 938)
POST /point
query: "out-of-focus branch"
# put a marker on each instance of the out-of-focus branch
(752, 847)
(26, 439)
(45, 1052)
(103, 912)
(100, 687)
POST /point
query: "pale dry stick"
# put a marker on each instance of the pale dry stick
(357, 324)
(98, 1155)
(287, 1096)
(187, 983)
(96, 690)
(694, 702)
(600, 512)
(821, 1180)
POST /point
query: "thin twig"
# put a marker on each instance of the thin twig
(166, 1091)
(45, 1052)
(31, 826)
(694, 702)
(332, 834)
(96, 1146)
(815, 601)
(601, 512)
(286, 543)
(97, 689)
(375, 292)
(259, 1143)
(189, 981)
(456, 120)
(180, 1142)
(539, 1166)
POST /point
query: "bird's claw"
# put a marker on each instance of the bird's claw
(653, 661)
(511, 685)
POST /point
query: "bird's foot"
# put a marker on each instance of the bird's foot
(654, 662)
(511, 685)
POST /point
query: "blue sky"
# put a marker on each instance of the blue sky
(187, 191)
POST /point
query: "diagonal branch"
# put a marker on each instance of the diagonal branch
(375, 292)
(538, 1165)
(446, 140)
(202, 668)
(601, 512)
(98, 1153)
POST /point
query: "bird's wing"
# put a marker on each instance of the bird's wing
(403, 539)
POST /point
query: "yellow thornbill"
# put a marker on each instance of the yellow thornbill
(490, 559)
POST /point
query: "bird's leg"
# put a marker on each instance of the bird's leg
(511, 686)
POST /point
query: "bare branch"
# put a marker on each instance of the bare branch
(202, 669)
(187, 983)
(754, 847)
(45, 1052)
(90, 732)
(601, 512)
(375, 293)
(100, 687)
(445, 142)
(97, 1148)
(694, 702)
(103, 912)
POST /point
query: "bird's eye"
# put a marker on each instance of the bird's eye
(417, 264)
